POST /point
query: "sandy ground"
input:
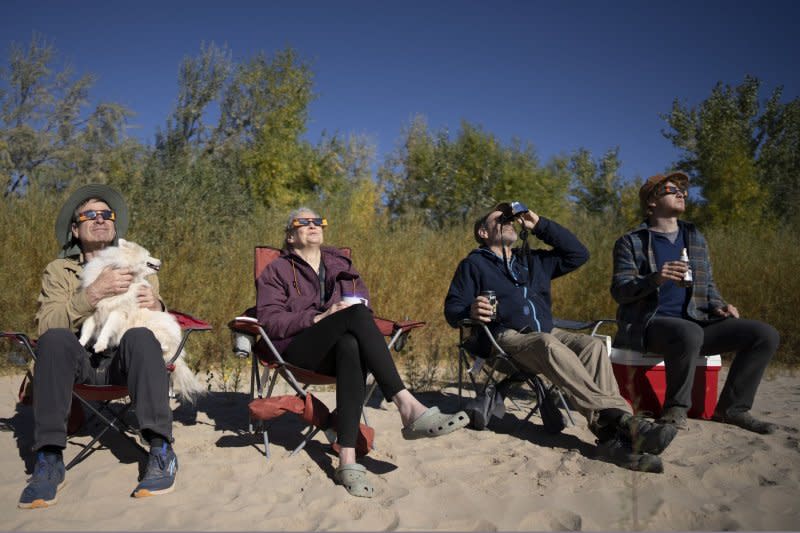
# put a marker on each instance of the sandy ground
(516, 477)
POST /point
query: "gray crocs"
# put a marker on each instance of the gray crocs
(354, 478)
(434, 423)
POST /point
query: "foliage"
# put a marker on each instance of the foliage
(45, 137)
(450, 181)
(742, 162)
(204, 194)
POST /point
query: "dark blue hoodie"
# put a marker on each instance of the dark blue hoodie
(523, 296)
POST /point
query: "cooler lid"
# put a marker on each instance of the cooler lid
(622, 356)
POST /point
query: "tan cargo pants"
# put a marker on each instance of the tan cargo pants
(578, 364)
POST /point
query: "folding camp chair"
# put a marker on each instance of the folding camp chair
(109, 410)
(491, 361)
(250, 340)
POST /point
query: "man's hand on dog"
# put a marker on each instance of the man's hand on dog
(148, 300)
(110, 282)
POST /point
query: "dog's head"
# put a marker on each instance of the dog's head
(136, 257)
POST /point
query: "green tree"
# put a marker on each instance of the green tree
(779, 158)
(201, 81)
(265, 111)
(720, 139)
(45, 137)
(450, 180)
(596, 185)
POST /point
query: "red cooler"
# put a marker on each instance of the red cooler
(643, 383)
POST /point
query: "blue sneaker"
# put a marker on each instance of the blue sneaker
(159, 478)
(47, 479)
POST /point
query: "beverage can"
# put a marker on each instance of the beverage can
(492, 297)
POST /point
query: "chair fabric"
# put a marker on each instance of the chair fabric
(475, 360)
(104, 396)
(251, 341)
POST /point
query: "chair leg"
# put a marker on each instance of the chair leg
(109, 424)
(310, 435)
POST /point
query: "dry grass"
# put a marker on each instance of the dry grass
(408, 267)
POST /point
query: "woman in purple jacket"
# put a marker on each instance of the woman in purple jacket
(304, 304)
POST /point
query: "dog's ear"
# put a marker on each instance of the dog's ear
(122, 242)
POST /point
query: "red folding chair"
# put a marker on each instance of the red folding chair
(109, 409)
(250, 340)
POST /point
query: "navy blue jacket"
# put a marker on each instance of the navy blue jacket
(523, 301)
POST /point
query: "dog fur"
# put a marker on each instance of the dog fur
(115, 315)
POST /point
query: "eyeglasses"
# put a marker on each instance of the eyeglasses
(299, 222)
(671, 189)
(92, 214)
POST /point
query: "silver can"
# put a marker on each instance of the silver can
(492, 297)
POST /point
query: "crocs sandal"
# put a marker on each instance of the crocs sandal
(433, 423)
(354, 478)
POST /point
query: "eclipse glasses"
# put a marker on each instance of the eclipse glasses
(92, 214)
(300, 222)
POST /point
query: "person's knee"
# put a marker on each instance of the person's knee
(141, 341)
(768, 338)
(54, 343)
(360, 312)
(347, 349)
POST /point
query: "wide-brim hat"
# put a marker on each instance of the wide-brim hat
(681, 179)
(64, 219)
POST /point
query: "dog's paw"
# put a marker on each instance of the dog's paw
(100, 346)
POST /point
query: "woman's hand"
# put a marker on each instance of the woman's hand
(338, 306)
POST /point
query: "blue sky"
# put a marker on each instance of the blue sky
(561, 75)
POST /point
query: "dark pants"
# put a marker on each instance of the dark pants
(62, 362)
(682, 341)
(347, 344)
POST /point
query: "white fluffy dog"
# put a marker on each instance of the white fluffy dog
(117, 314)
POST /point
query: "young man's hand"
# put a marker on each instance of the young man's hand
(672, 271)
(726, 311)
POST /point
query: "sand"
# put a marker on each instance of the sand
(516, 477)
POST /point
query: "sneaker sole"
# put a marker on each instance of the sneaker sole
(41, 503)
(146, 493)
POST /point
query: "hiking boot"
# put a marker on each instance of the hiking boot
(47, 479)
(159, 477)
(646, 436)
(745, 420)
(675, 416)
(619, 452)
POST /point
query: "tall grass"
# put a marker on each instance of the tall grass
(407, 265)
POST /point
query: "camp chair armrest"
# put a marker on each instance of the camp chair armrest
(21, 338)
(189, 323)
(578, 325)
(245, 324)
(469, 323)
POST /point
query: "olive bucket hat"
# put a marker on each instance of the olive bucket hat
(68, 245)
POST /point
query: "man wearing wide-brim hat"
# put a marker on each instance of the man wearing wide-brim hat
(93, 218)
(672, 307)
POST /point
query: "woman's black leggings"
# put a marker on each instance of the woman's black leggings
(347, 344)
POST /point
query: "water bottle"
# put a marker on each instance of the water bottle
(687, 277)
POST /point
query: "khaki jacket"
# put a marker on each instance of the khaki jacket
(62, 302)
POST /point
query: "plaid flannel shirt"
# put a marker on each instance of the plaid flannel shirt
(634, 286)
